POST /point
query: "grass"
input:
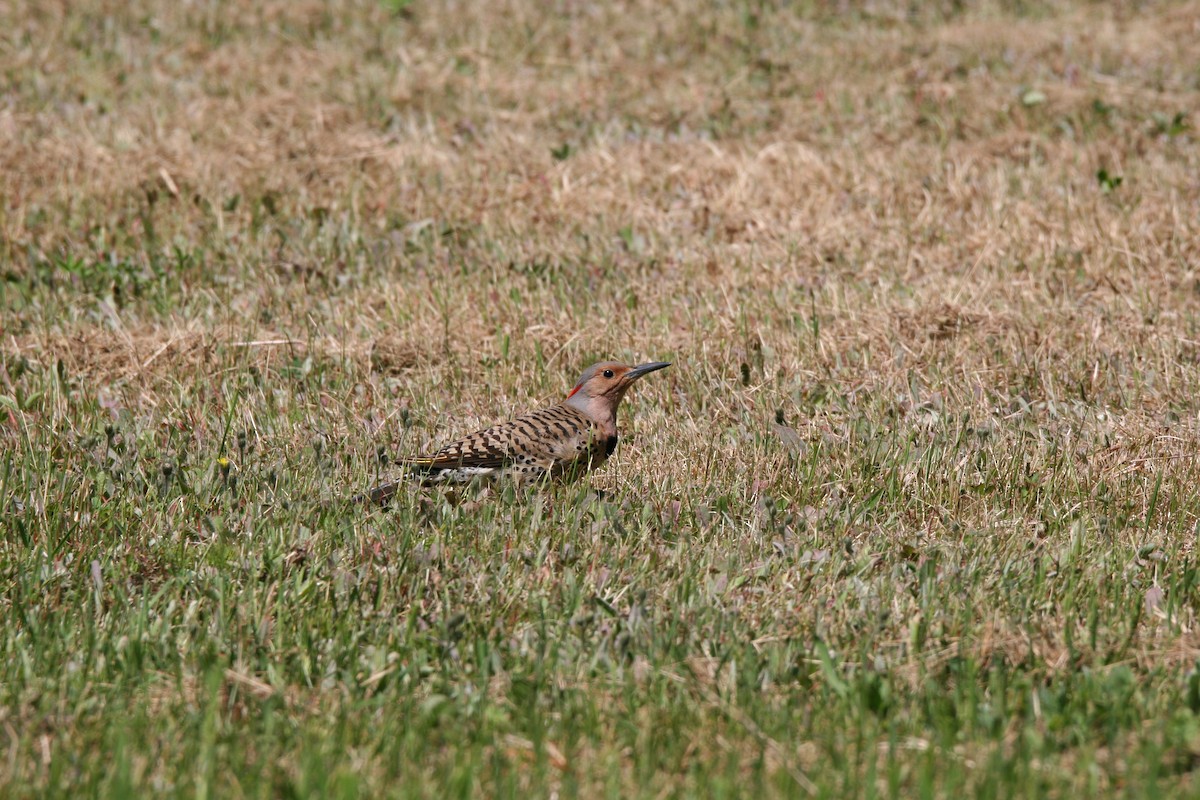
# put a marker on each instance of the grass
(913, 514)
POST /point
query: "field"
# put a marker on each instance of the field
(913, 514)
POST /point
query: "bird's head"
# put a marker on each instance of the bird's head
(600, 388)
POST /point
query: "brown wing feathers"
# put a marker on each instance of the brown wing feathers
(529, 439)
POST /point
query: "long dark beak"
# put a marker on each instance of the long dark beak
(646, 369)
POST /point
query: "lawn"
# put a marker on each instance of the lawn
(912, 515)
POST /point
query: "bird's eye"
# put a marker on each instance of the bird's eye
(608, 373)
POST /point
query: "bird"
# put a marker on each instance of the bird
(559, 442)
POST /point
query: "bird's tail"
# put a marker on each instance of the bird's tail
(381, 495)
(421, 470)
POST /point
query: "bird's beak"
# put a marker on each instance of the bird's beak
(646, 369)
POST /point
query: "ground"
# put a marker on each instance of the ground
(912, 514)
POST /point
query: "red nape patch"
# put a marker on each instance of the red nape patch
(573, 391)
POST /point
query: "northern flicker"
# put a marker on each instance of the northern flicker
(560, 441)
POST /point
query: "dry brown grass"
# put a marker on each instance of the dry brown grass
(894, 175)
